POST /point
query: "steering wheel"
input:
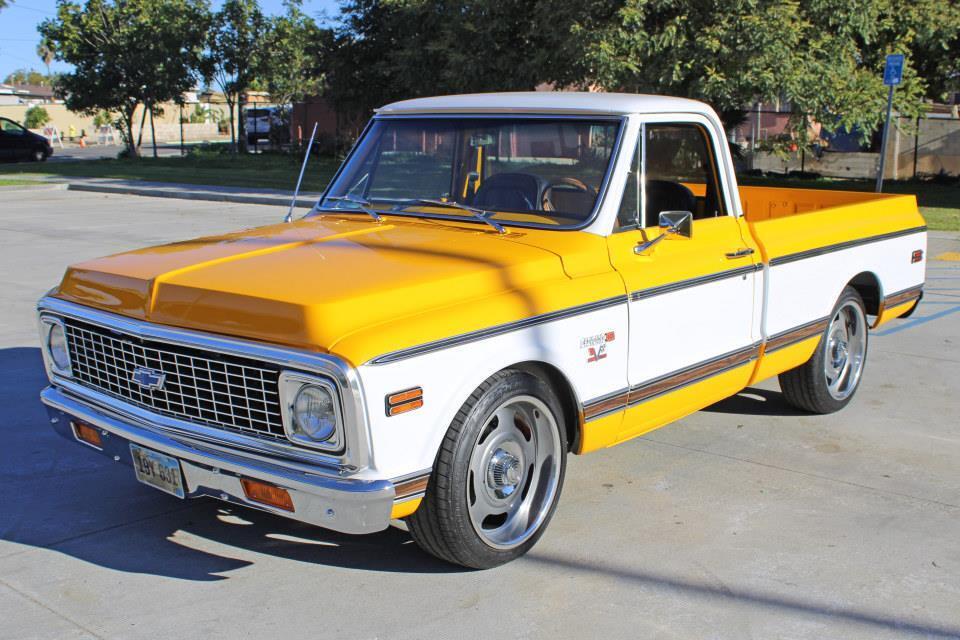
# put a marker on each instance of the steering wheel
(566, 184)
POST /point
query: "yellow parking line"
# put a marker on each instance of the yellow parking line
(951, 256)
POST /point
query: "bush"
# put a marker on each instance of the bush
(102, 119)
(209, 150)
(36, 117)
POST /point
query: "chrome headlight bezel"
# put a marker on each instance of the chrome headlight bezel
(49, 324)
(290, 385)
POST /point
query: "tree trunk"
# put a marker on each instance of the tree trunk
(233, 132)
(143, 120)
(128, 124)
(153, 132)
(241, 123)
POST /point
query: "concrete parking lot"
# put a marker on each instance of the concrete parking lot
(746, 520)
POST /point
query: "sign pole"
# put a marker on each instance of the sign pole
(892, 76)
(883, 144)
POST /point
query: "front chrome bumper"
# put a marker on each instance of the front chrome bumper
(344, 504)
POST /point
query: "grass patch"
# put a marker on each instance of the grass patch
(13, 182)
(270, 171)
(941, 218)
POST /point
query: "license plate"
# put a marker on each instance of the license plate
(157, 470)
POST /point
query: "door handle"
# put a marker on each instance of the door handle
(740, 253)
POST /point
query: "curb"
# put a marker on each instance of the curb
(58, 186)
(152, 192)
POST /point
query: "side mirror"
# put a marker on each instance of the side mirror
(677, 223)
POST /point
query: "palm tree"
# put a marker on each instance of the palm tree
(45, 53)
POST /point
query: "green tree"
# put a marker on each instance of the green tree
(27, 76)
(235, 49)
(126, 53)
(35, 117)
(292, 70)
(821, 57)
(387, 50)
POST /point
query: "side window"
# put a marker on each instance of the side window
(681, 172)
(629, 213)
(680, 175)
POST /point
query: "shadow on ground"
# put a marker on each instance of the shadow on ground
(61, 496)
(756, 402)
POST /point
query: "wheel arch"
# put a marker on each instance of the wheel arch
(570, 403)
(868, 285)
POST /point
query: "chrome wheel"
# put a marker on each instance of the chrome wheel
(514, 472)
(846, 347)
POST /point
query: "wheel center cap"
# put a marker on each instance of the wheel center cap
(503, 473)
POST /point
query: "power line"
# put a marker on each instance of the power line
(20, 6)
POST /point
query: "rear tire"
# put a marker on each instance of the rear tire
(829, 379)
(498, 475)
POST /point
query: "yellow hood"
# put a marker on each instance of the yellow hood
(315, 282)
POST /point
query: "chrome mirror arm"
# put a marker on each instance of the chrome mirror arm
(673, 223)
(644, 246)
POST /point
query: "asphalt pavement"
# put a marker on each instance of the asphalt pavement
(745, 520)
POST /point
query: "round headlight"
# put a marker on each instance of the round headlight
(314, 413)
(57, 346)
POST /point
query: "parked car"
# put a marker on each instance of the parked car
(261, 122)
(19, 143)
(489, 283)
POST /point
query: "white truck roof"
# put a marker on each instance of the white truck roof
(571, 102)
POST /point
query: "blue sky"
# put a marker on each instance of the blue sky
(19, 37)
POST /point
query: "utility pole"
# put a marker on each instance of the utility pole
(892, 76)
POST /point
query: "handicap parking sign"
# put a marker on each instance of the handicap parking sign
(893, 71)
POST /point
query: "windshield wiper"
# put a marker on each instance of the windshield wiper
(479, 214)
(362, 204)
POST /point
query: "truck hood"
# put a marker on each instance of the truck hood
(311, 283)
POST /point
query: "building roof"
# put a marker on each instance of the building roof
(34, 91)
(548, 102)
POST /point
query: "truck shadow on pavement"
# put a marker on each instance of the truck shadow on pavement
(62, 497)
(756, 402)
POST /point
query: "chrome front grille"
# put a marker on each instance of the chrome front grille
(213, 389)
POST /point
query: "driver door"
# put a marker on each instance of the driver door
(691, 300)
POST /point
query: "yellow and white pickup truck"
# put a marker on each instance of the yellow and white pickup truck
(489, 283)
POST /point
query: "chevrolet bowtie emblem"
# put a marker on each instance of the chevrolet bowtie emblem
(148, 378)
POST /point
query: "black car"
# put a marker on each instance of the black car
(17, 143)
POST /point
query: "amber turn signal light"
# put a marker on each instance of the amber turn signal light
(403, 401)
(86, 433)
(268, 494)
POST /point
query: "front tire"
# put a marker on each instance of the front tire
(498, 476)
(828, 380)
(38, 155)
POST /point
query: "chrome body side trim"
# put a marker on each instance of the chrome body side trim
(693, 282)
(691, 375)
(500, 329)
(902, 297)
(606, 404)
(672, 381)
(797, 334)
(326, 499)
(358, 454)
(897, 298)
(840, 246)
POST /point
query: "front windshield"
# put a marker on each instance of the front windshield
(529, 171)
